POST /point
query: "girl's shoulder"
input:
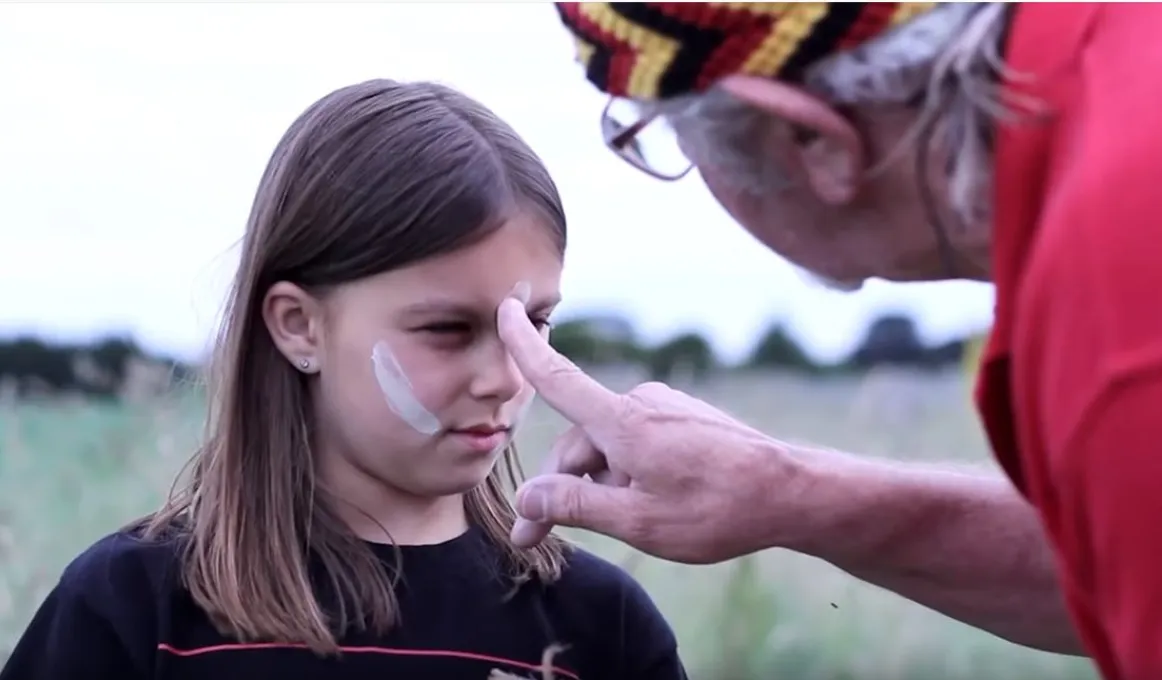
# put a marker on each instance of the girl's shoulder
(602, 601)
(123, 567)
(104, 609)
(586, 571)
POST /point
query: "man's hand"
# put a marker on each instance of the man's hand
(654, 468)
(676, 478)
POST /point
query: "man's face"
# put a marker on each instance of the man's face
(827, 215)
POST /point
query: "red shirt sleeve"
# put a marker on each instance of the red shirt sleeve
(1087, 351)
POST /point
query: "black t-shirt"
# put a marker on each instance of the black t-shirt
(119, 612)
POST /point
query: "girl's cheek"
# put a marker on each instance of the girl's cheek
(397, 384)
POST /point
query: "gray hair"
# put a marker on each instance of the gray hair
(948, 61)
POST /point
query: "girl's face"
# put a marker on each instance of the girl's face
(447, 396)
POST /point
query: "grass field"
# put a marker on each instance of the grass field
(71, 473)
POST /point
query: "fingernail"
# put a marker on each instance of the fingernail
(526, 534)
(533, 504)
(510, 302)
(521, 291)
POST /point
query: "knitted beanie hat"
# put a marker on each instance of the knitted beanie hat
(650, 51)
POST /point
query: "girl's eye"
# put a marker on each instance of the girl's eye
(463, 328)
(448, 328)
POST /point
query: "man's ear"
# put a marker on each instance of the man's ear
(294, 319)
(828, 149)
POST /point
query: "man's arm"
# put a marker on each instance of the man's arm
(966, 545)
(678, 479)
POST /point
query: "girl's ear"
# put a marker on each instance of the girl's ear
(294, 320)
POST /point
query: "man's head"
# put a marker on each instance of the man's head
(853, 139)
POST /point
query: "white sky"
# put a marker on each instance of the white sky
(132, 137)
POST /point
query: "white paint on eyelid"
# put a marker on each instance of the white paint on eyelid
(397, 391)
(522, 291)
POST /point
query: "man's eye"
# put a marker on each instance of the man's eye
(542, 324)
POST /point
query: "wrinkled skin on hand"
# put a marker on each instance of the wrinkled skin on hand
(654, 468)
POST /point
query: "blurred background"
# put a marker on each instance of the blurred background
(132, 137)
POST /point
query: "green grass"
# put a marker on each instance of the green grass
(71, 473)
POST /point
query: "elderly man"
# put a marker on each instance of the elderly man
(1008, 143)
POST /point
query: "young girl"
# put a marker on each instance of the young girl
(346, 517)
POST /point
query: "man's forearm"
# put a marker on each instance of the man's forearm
(966, 545)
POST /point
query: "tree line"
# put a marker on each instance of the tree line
(115, 367)
(890, 340)
(105, 368)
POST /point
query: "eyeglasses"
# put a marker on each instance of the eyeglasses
(647, 144)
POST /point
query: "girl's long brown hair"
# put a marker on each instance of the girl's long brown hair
(370, 178)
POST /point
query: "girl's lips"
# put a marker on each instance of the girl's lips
(483, 430)
(483, 440)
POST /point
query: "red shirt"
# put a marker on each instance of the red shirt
(1071, 383)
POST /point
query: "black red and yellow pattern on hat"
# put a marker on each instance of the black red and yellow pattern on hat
(656, 50)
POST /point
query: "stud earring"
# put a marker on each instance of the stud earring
(304, 364)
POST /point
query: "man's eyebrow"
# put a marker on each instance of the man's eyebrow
(461, 308)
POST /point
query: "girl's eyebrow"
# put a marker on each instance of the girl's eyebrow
(461, 308)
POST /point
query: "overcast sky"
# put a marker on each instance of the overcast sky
(132, 137)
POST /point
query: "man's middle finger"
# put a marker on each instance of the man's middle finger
(574, 454)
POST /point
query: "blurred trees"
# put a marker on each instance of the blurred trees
(776, 349)
(890, 340)
(687, 356)
(108, 367)
(597, 340)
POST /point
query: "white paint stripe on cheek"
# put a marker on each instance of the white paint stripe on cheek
(397, 391)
